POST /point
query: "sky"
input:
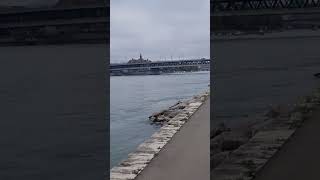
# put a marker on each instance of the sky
(159, 29)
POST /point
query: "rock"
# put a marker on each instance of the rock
(221, 127)
(160, 117)
(317, 75)
(316, 96)
(218, 158)
(231, 144)
(182, 106)
(296, 120)
(173, 114)
(277, 111)
(175, 104)
(228, 141)
(155, 115)
(215, 147)
(253, 129)
(304, 107)
(179, 105)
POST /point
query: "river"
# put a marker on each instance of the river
(134, 98)
(252, 75)
(52, 101)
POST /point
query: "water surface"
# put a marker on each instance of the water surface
(252, 75)
(52, 108)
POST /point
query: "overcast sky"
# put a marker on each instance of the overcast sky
(159, 28)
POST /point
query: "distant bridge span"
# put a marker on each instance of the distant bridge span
(159, 64)
(165, 66)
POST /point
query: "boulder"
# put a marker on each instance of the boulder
(218, 158)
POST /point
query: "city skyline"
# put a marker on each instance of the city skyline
(162, 58)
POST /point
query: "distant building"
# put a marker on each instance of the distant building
(140, 60)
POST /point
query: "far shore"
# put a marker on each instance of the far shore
(301, 33)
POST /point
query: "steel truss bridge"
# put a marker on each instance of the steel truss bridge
(165, 66)
(254, 15)
(218, 6)
(73, 24)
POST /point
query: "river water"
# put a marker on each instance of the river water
(252, 75)
(134, 98)
(53, 112)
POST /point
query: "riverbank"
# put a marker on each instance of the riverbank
(186, 156)
(130, 107)
(299, 157)
(284, 34)
(257, 75)
(147, 151)
(261, 141)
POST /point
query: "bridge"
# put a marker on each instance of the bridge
(225, 7)
(55, 25)
(267, 14)
(160, 67)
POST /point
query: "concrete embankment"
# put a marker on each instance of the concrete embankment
(299, 158)
(178, 147)
(268, 136)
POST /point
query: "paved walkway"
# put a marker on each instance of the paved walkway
(187, 155)
(299, 158)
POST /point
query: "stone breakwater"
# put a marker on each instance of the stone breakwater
(171, 119)
(240, 154)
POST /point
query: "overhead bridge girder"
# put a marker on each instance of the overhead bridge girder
(236, 5)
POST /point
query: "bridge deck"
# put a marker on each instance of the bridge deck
(161, 64)
(296, 11)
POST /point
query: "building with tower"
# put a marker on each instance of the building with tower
(140, 60)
